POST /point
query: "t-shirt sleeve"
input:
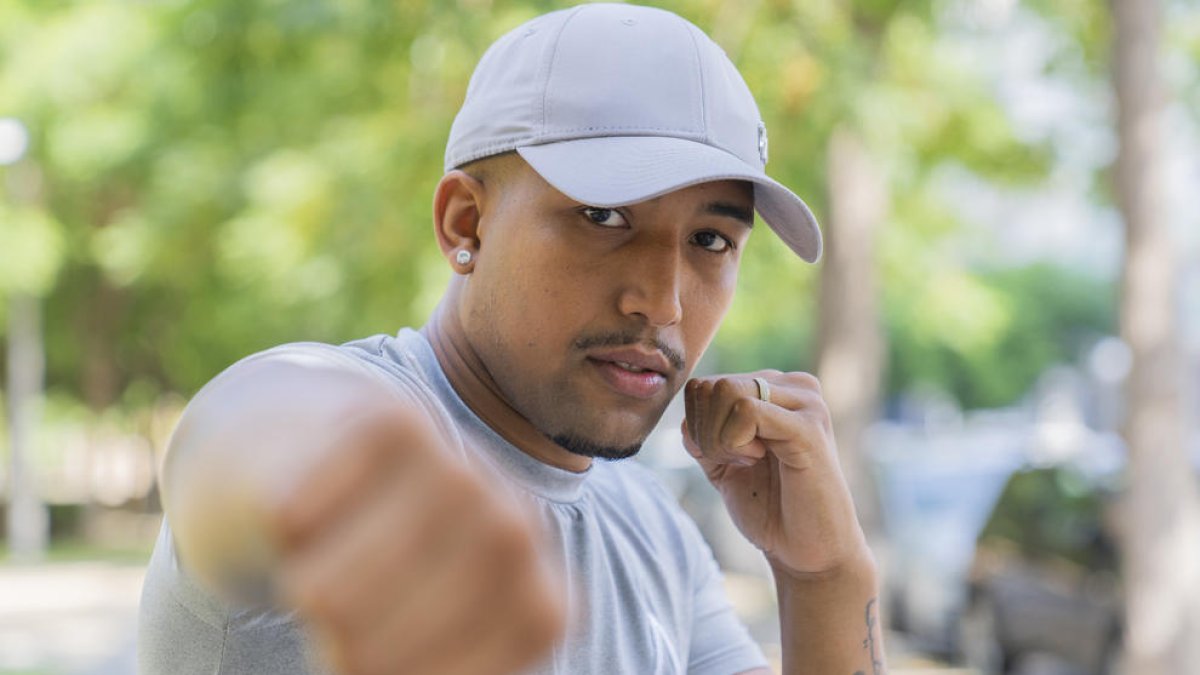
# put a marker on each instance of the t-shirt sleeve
(720, 643)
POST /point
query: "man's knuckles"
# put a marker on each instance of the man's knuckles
(508, 541)
(744, 411)
(820, 416)
(287, 522)
(372, 450)
(318, 597)
(727, 388)
(740, 426)
(800, 380)
(546, 620)
(459, 487)
(359, 658)
(510, 643)
(504, 533)
(530, 635)
(507, 589)
(538, 616)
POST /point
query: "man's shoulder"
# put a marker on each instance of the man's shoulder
(402, 364)
(379, 356)
(404, 343)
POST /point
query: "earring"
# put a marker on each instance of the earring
(463, 257)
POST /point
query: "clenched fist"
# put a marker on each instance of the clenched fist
(769, 450)
(404, 560)
(396, 554)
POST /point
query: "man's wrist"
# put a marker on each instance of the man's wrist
(830, 619)
(858, 566)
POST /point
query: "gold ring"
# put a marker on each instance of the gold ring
(764, 390)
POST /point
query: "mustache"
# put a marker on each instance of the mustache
(673, 356)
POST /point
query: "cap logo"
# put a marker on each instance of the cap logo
(762, 142)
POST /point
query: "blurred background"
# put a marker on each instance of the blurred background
(1006, 321)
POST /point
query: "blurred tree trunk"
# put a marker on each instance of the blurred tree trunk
(850, 356)
(28, 526)
(1161, 542)
(100, 323)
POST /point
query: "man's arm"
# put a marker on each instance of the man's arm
(826, 618)
(303, 482)
(769, 451)
(243, 443)
(830, 622)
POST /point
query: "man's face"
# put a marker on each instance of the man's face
(590, 320)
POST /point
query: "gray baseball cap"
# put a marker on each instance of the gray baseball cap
(616, 104)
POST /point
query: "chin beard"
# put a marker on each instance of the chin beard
(585, 448)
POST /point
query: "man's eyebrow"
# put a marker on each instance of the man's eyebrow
(731, 210)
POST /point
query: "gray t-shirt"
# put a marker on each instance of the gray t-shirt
(649, 592)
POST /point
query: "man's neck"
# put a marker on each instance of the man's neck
(473, 383)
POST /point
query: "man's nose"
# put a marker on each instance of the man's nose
(651, 285)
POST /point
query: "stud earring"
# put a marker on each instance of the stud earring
(463, 257)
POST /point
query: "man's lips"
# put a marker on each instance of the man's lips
(632, 372)
(634, 359)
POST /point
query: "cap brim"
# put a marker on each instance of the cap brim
(619, 170)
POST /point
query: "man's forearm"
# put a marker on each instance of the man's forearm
(830, 623)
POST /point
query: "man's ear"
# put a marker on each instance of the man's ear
(457, 209)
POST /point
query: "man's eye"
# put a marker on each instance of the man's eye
(604, 217)
(711, 241)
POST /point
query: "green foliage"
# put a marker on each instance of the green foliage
(884, 70)
(985, 338)
(32, 245)
(772, 321)
(219, 176)
(1183, 34)
(1085, 26)
(1053, 514)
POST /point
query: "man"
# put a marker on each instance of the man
(441, 501)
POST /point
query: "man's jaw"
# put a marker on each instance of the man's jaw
(578, 445)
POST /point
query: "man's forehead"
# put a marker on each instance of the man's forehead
(729, 198)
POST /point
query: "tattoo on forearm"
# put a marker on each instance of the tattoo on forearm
(871, 644)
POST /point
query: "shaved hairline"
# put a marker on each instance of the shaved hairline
(497, 169)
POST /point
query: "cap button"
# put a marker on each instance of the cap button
(628, 22)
